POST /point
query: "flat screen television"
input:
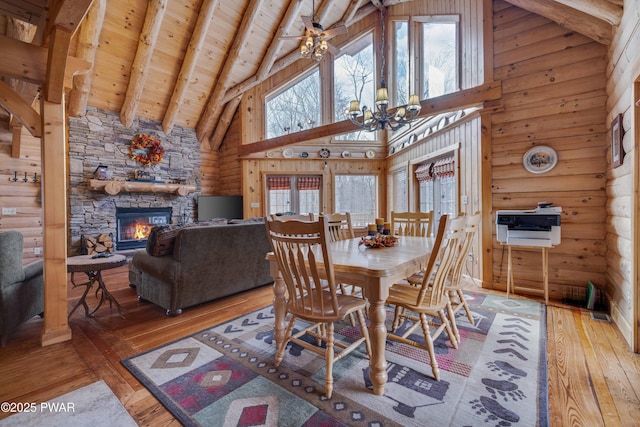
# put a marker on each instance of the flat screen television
(229, 207)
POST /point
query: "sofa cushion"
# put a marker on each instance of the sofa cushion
(162, 237)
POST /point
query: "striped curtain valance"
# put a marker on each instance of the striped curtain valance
(279, 183)
(424, 172)
(444, 167)
(308, 183)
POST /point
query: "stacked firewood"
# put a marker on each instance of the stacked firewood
(97, 245)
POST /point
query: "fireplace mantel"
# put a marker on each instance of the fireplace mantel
(115, 186)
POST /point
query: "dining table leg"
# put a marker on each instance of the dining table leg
(377, 296)
(279, 305)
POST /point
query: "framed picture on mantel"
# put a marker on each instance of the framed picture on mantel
(617, 151)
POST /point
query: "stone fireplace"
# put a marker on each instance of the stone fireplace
(134, 224)
(98, 138)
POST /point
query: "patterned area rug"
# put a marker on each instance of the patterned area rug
(224, 376)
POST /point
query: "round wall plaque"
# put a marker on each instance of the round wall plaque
(540, 159)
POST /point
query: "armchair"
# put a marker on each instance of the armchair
(21, 287)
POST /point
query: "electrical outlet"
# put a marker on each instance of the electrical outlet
(465, 200)
(470, 256)
(9, 211)
(37, 251)
(255, 205)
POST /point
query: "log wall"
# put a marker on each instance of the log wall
(553, 83)
(622, 233)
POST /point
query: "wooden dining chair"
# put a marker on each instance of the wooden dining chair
(429, 299)
(301, 250)
(307, 217)
(456, 283)
(340, 227)
(418, 224)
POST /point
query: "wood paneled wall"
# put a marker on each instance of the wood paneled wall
(553, 83)
(24, 197)
(622, 231)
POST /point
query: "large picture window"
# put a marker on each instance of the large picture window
(293, 194)
(438, 67)
(400, 191)
(357, 194)
(295, 108)
(353, 78)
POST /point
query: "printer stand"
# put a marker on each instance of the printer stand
(545, 272)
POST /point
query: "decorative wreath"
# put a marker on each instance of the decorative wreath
(146, 149)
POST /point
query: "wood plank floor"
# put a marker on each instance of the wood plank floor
(594, 379)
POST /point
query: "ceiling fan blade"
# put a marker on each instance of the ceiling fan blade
(332, 32)
(292, 37)
(308, 23)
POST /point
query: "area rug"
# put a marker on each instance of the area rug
(94, 405)
(224, 375)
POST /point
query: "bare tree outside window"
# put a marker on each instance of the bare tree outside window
(296, 108)
(356, 194)
(439, 59)
(401, 62)
(354, 79)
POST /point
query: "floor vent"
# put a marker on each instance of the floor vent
(600, 316)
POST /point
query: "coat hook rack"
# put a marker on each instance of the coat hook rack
(26, 178)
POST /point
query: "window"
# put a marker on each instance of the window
(438, 58)
(295, 108)
(401, 61)
(357, 194)
(293, 194)
(400, 191)
(437, 187)
(353, 78)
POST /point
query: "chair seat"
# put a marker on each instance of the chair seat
(346, 304)
(400, 294)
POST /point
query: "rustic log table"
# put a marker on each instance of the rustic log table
(93, 267)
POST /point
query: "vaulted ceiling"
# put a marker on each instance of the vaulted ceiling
(188, 62)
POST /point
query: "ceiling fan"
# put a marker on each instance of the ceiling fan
(315, 39)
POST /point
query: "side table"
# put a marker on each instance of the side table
(93, 267)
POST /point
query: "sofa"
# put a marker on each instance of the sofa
(183, 266)
(21, 286)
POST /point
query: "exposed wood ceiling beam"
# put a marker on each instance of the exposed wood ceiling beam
(600, 9)
(88, 40)
(454, 101)
(30, 11)
(286, 60)
(146, 44)
(59, 44)
(21, 111)
(570, 18)
(67, 14)
(268, 59)
(211, 112)
(189, 63)
(28, 62)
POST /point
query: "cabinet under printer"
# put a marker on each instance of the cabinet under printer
(539, 227)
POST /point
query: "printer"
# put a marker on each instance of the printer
(537, 227)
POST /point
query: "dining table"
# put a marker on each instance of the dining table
(373, 269)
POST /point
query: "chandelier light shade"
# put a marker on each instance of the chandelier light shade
(313, 47)
(381, 118)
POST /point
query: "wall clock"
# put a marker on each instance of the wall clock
(540, 159)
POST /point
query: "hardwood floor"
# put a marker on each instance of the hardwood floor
(594, 379)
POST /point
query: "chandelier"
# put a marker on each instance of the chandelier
(380, 118)
(313, 46)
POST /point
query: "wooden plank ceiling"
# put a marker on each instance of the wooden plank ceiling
(188, 62)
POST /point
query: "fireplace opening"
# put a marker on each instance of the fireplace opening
(134, 224)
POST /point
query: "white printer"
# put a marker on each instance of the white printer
(537, 227)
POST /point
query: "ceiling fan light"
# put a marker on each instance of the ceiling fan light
(309, 42)
(304, 50)
(324, 46)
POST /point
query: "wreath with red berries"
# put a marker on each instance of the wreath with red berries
(146, 149)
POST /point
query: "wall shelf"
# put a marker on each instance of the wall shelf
(115, 186)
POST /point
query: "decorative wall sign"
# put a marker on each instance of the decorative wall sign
(617, 132)
(540, 159)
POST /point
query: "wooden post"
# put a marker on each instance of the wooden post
(54, 196)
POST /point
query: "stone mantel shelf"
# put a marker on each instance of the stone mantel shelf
(115, 186)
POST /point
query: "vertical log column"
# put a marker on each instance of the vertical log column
(54, 196)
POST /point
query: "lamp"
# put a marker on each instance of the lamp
(314, 45)
(381, 118)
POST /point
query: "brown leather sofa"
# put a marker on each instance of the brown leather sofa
(205, 263)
